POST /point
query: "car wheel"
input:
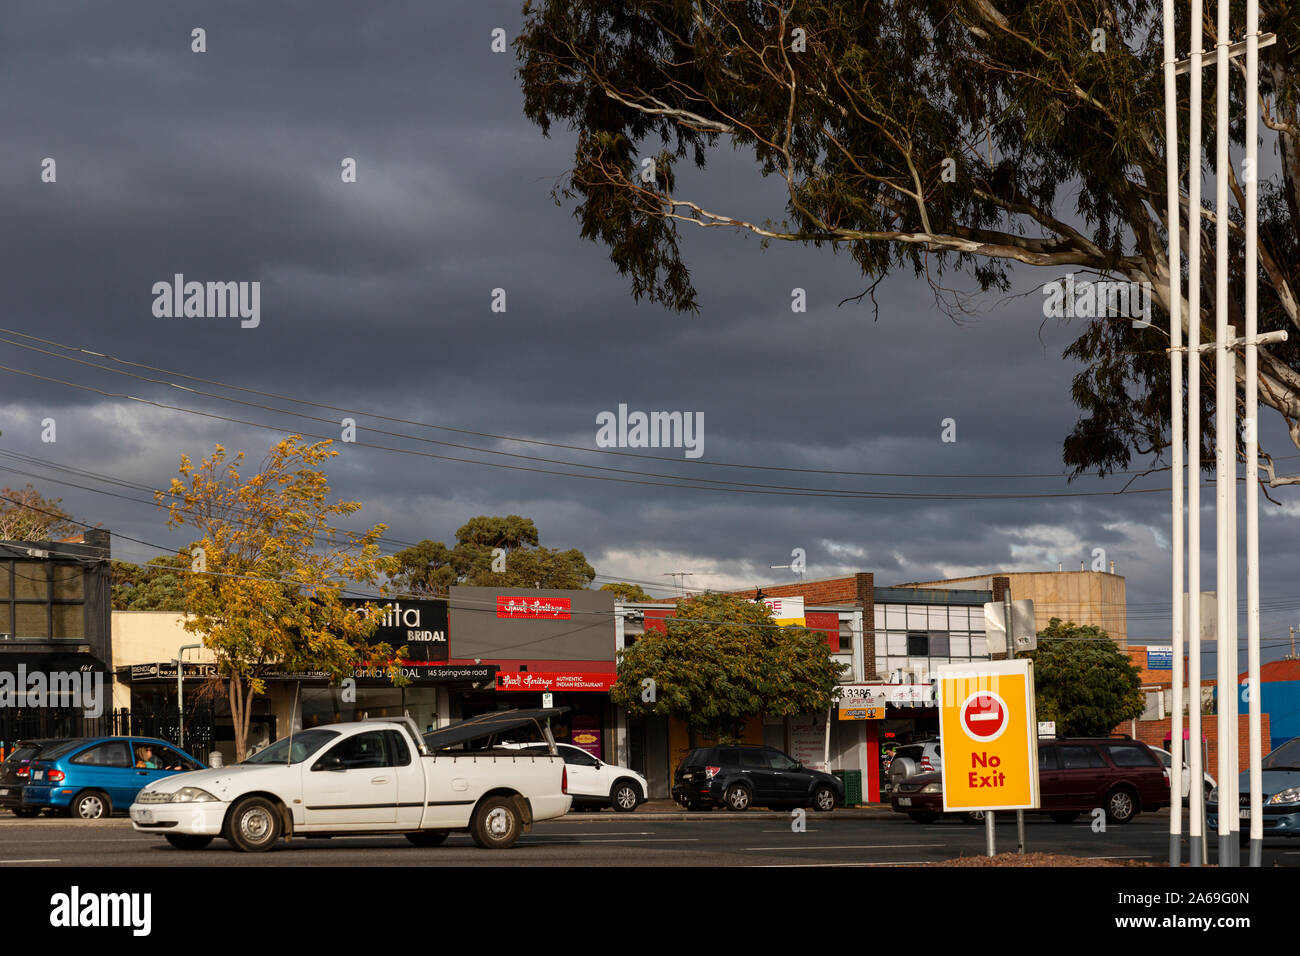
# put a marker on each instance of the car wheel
(973, 817)
(1063, 817)
(26, 812)
(496, 824)
(1121, 805)
(188, 841)
(427, 837)
(253, 825)
(91, 805)
(823, 799)
(923, 817)
(737, 797)
(626, 797)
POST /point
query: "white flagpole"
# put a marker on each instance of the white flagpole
(1197, 848)
(1224, 392)
(1174, 217)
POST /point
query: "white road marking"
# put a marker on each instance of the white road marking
(866, 846)
(580, 842)
(797, 866)
(29, 861)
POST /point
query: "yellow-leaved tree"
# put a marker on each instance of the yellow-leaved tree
(270, 571)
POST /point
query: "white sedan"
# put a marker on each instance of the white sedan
(1167, 759)
(593, 783)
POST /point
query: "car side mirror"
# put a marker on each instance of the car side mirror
(334, 764)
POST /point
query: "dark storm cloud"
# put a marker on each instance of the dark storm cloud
(375, 296)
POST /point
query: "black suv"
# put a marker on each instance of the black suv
(13, 775)
(740, 776)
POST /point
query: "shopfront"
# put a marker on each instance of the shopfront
(548, 645)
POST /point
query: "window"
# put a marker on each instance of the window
(40, 600)
(753, 760)
(576, 757)
(918, 644)
(728, 757)
(1047, 759)
(1080, 758)
(938, 644)
(170, 759)
(959, 645)
(111, 754)
(1130, 755)
(362, 752)
(846, 637)
(779, 761)
(398, 752)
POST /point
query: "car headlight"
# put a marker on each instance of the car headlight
(932, 788)
(1290, 795)
(192, 795)
(153, 796)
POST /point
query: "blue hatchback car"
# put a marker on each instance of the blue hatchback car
(91, 777)
(1281, 792)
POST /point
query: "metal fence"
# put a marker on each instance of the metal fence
(27, 723)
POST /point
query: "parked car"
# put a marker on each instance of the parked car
(91, 777)
(1075, 775)
(372, 776)
(593, 783)
(925, 756)
(737, 777)
(14, 771)
(1280, 789)
(1167, 759)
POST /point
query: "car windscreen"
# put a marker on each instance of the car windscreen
(1286, 757)
(303, 745)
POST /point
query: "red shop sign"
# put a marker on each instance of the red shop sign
(568, 681)
(556, 609)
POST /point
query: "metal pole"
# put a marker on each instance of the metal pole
(1197, 849)
(1173, 218)
(1252, 431)
(180, 703)
(990, 843)
(1224, 391)
(1011, 656)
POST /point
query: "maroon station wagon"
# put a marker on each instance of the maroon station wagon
(1075, 775)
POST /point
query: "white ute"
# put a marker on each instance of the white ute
(373, 776)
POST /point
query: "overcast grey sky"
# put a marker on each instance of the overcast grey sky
(376, 295)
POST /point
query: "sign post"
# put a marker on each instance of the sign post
(989, 729)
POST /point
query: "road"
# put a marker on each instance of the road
(639, 839)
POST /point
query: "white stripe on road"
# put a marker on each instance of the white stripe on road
(797, 866)
(865, 846)
(580, 842)
(29, 861)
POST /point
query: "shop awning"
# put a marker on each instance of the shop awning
(488, 725)
(48, 661)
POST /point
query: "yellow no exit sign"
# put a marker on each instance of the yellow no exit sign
(989, 733)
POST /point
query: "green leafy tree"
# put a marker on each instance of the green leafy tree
(627, 592)
(158, 585)
(721, 661)
(1083, 681)
(483, 545)
(930, 135)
